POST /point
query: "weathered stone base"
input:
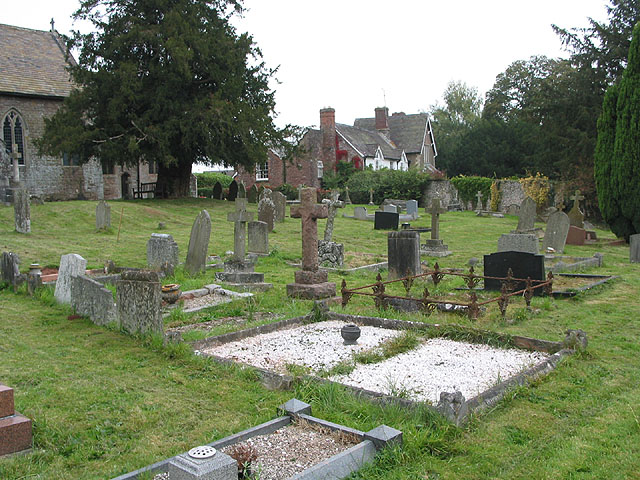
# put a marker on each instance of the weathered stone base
(240, 277)
(15, 429)
(251, 287)
(309, 278)
(435, 248)
(314, 291)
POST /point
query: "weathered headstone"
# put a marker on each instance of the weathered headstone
(258, 237)
(252, 194)
(555, 236)
(71, 265)
(240, 218)
(10, 269)
(412, 208)
(334, 204)
(478, 201)
(162, 251)
(233, 191)
(634, 248)
(518, 242)
(280, 201)
(526, 216)
(242, 190)
(435, 247)
(92, 299)
(103, 215)
(522, 264)
(330, 254)
(22, 210)
(371, 196)
(139, 300)
(576, 235)
(310, 282)
(217, 191)
(576, 217)
(198, 244)
(347, 200)
(360, 213)
(390, 208)
(266, 208)
(386, 221)
(403, 250)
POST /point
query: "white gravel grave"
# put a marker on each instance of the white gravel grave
(441, 365)
(318, 346)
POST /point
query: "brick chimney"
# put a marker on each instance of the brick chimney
(381, 118)
(328, 130)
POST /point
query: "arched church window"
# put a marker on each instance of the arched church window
(13, 135)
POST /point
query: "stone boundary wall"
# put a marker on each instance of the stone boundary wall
(511, 193)
(90, 298)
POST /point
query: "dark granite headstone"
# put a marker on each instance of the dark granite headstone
(252, 194)
(233, 191)
(386, 221)
(522, 265)
(217, 191)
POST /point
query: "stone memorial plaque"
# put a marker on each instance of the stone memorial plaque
(386, 221)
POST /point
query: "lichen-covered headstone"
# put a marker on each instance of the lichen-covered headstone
(103, 215)
(555, 236)
(71, 265)
(527, 216)
(198, 244)
(330, 254)
(333, 204)
(258, 234)
(139, 300)
(252, 194)
(10, 269)
(266, 208)
(162, 251)
(22, 210)
(280, 201)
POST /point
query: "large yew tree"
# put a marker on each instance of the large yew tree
(168, 81)
(617, 157)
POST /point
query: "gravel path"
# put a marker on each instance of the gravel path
(291, 450)
(318, 346)
(441, 365)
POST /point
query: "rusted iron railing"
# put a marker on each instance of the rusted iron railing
(428, 304)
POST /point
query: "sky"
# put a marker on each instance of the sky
(355, 55)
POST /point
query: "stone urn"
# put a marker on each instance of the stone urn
(171, 292)
(34, 269)
(350, 333)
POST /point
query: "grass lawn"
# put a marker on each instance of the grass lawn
(104, 403)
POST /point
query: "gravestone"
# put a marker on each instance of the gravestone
(371, 196)
(435, 247)
(266, 208)
(360, 213)
(92, 299)
(390, 208)
(233, 191)
(242, 190)
(310, 282)
(412, 208)
(330, 254)
(333, 204)
(555, 236)
(71, 265)
(518, 242)
(217, 191)
(103, 215)
(526, 216)
(386, 220)
(258, 237)
(162, 252)
(347, 200)
(240, 218)
(198, 244)
(16, 433)
(576, 235)
(139, 300)
(522, 265)
(479, 201)
(576, 217)
(403, 250)
(280, 201)
(252, 194)
(22, 210)
(634, 248)
(10, 269)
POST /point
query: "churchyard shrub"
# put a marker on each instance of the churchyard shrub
(468, 187)
(288, 191)
(209, 179)
(538, 188)
(206, 192)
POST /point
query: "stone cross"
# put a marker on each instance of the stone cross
(347, 200)
(575, 214)
(15, 158)
(309, 211)
(371, 196)
(240, 218)
(479, 201)
(333, 205)
(435, 212)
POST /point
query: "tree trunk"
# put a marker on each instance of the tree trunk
(174, 179)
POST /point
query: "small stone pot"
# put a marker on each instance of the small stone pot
(171, 292)
(34, 269)
(350, 333)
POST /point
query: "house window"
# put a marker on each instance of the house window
(13, 135)
(320, 169)
(153, 167)
(262, 171)
(70, 160)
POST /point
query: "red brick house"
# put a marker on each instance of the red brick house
(396, 142)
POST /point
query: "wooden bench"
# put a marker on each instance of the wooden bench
(148, 190)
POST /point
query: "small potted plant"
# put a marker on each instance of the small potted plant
(245, 455)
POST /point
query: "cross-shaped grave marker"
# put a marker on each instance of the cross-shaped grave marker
(575, 214)
(15, 156)
(309, 211)
(479, 201)
(334, 204)
(435, 212)
(240, 218)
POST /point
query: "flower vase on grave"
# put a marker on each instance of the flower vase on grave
(171, 292)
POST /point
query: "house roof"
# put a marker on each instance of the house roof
(405, 131)
(367, 141)
(32, 62)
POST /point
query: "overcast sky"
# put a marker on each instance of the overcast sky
(355, 55)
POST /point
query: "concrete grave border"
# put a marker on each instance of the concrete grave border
(338, 466)
(597, 280)
(577, 263)
(456, 410)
